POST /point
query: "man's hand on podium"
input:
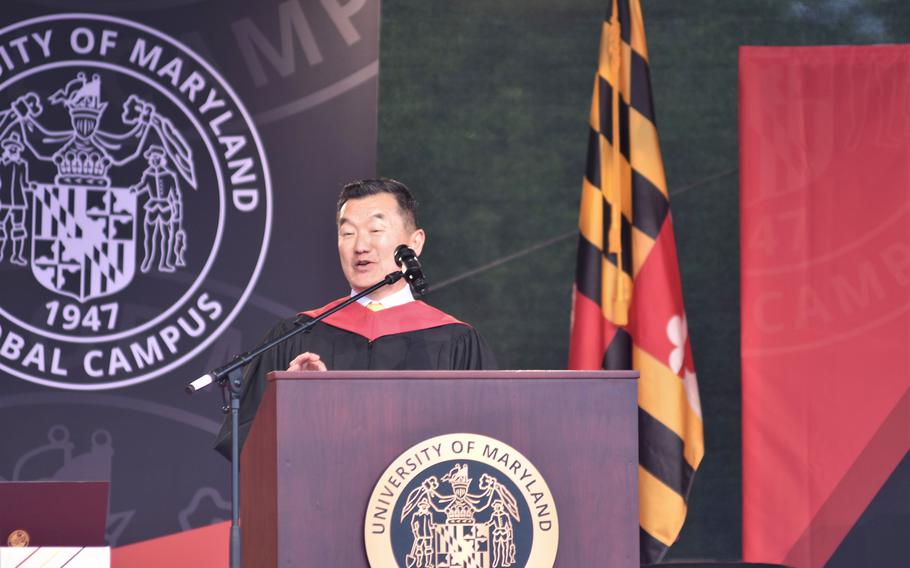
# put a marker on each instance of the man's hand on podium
(307, 362)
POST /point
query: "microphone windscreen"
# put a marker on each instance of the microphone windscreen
(401, 254)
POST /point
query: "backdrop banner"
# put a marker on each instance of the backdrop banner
(168, 180)
(825, 238)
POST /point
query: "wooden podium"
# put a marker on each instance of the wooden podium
(321, 441)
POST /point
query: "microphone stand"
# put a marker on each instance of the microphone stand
(230, 377)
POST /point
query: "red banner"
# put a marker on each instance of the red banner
(825, 238)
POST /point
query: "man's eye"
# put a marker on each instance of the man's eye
(347, 234)
(376, 230)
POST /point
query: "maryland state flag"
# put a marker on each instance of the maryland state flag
(628, 307)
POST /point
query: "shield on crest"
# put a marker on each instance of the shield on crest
(83, 239)
(462, 546)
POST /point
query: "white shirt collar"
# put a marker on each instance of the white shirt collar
(398, 298)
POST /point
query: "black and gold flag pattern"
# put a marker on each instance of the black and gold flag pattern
(628, 308)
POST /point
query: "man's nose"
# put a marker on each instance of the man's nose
(363, 242)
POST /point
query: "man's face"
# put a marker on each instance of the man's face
(369, 230)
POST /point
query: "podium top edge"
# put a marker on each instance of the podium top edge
(453, 375)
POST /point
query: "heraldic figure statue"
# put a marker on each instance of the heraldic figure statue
(15, 188)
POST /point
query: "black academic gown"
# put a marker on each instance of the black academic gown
(412, 336)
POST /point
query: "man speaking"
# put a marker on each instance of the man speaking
(386, 330)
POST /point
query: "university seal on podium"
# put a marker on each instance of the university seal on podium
(461, 501)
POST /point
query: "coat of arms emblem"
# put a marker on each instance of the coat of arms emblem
(461, 501)
(462, 540)
(83, 228)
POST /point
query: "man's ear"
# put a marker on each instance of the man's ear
(417, 239)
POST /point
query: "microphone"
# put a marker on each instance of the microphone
(413, 273)
(200, 383)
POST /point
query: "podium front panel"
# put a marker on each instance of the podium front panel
(321, 441)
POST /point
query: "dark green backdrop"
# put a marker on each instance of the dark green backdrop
(483, 112)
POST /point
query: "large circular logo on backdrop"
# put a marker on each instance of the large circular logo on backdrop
(135, 202)
(460, 501)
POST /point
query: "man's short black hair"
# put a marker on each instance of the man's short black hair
(367, 187)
